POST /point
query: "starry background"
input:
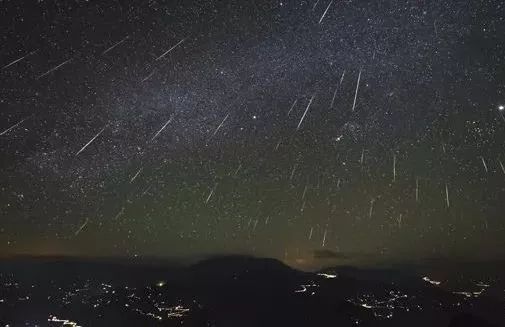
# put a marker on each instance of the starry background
(194, 109)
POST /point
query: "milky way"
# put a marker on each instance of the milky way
(176, 128)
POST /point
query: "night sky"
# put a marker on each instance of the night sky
(371, 130)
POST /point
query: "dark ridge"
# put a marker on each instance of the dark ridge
(242, 264)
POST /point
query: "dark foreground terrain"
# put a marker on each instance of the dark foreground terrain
(240, 291)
